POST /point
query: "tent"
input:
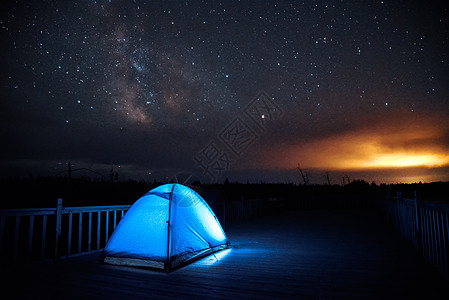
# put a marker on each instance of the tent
(167, 227)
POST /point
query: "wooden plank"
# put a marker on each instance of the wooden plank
(44, 236)
(16, 238)
(417, 211)
(106, 237)
(423, 232)
(445, 263)
(406, 224)
(436, 206)
(98, 228)
(69, 235)
(58, 228)
(2, 234)
(86, 209)
(434, 238)
(30, 238)
(23, 212)
(80, 231)
(89, 233)
(429, 235)
(445, 241)
(412, 226)
(438, 239)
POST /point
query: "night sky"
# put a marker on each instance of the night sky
(214, 89)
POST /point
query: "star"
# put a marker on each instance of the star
(125, 73)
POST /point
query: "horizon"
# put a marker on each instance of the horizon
(292, 176)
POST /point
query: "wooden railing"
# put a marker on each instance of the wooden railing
(35, 234)
(424, 224)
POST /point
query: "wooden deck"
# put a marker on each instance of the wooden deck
(335, 254)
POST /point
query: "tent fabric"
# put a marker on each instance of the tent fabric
(166, 227)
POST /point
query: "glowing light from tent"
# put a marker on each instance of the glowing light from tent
(215, 230)
(214, 258)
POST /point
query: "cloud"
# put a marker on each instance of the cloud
(383, 143)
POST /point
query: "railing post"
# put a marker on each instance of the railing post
(98, 228)
(80, 231)
(30, 239)
(106, 237)
(58, 228)
(44, 236)
(16, 239)
(2, 235)
(89, 233)
(417, 220)
(397, 216)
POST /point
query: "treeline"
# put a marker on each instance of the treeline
(44, 191)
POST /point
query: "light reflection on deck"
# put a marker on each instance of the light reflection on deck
(214, 258)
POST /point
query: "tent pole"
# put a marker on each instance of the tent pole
(168, 262)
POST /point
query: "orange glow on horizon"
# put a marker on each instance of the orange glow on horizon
(376, 148)
(399, 160)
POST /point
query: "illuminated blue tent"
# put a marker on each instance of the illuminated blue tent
(168, 226)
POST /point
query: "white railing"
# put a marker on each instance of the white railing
(34, 234)
(424, 224)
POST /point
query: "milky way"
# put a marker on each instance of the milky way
(145, 87)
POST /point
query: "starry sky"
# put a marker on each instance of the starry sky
(248, 90)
